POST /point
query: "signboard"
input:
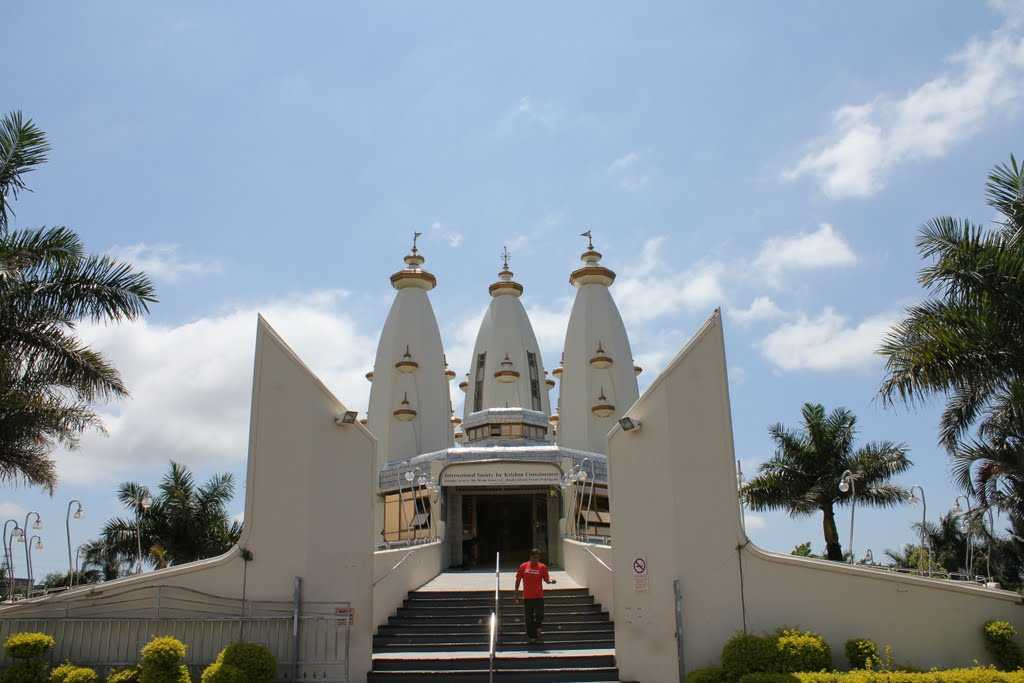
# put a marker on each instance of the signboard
(641, 582)
(501, 474)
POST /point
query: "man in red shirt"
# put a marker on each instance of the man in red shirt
(533, 575)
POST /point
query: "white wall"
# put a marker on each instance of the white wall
(675, 504)
(589, 565)
(398, 571)
(308, 511)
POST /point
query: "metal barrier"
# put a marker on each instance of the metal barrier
(205, 623)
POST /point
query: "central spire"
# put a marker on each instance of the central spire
(507, 372)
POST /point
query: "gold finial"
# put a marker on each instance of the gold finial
(415, 236)
(590, 239)
(504, 258)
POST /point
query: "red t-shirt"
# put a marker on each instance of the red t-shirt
(532, 576)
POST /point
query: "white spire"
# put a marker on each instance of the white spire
(597, 375)
(410, 407)
(506, 369)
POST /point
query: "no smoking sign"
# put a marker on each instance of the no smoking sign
(640, 566)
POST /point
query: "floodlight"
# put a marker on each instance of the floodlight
(628, 424)
(346, 418)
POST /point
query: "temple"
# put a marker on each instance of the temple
(510, 474)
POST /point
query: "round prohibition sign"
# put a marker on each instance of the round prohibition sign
(640, 566)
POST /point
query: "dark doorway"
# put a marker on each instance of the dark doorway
(506, 524)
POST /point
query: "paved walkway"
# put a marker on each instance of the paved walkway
(482, 581)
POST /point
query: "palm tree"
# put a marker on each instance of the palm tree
(49, 379)
(804, 474)
(184, 523)
(966, 343)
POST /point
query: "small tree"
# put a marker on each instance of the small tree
(804, 474)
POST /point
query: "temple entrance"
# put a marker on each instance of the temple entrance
(511, 524)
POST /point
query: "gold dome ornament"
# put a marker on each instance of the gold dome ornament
(553, 419)
(449, 374)
(601, 359)
(413, 274)
(407, 365)
(603, 408)
(455, 420)
(592, 271)
(364, 421)
(637, 370)
(505, 286)
(548, 382)
(464, 384)
(369, 376)
(506, 374)
(459, 435)
(405, 413)
(557, 372)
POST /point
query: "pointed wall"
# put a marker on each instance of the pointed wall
(675, 505)
(409, 373)
(308, 514)
(597, 361)
(506, 337)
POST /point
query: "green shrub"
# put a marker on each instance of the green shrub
(975, 675)
(1002, 646)
(129, 675)
(25, 646)
(26, 671)
(81, 674)
(797, 650)
(255, 661)
(767, 677)
(163, 661)
(219, 672)
(745, 653)
(711, 674)
(861, 651)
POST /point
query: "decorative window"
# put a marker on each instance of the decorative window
(531, 361)
(478, 387)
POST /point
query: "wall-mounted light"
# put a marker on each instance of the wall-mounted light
(346, 418)
(628, 424)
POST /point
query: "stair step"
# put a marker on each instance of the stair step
(532, 660)
(425, 626)
(506, 645)
(506, 619)
(587, 675)
(487, 609)
(506, 593)
(481, 638)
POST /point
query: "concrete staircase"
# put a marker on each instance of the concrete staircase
(443, 635)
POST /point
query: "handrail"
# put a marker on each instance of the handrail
(495, 615)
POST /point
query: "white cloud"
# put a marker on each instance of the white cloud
(737, 375)
(10, 510)
(191, 383)
(533, 112)
(650, 288)
(454, 238)
(754, 522)
(517, 242)
(984, 79)
(761, 308)
(823, 248)
(827, 342)
(162, 262)
(628, 172)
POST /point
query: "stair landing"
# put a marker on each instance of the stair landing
(484, 581)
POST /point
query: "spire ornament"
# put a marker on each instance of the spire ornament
(592, 271)
(590, 239)
(413, 274)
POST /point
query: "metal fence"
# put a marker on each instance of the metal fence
(310, 640)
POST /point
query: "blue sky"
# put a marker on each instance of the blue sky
(775, 160)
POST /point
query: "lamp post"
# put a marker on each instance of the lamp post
(78, 514)
(847, 485)
(410, 477)
(569, 480)
(969, 552)
(991, 535)
(925, 551)
(28, 560)
(9, 554)
(36, 526)
(581, 476)
(145, 503)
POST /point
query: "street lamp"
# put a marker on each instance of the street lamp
(847, 485)
(145, 503)
(78, 514)
(410, 477)
(38, 542)
(9, 553)
(969, 553)
(925, 551)
(36, 525)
